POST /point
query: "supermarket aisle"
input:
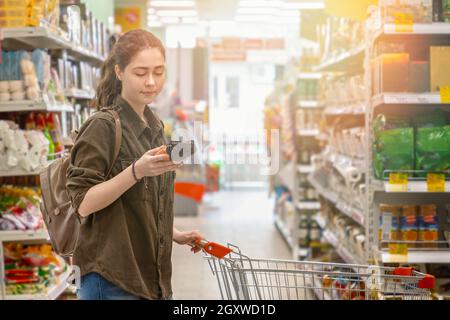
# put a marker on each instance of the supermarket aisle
(243, 218)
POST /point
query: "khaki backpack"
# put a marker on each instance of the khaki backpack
(63, 224)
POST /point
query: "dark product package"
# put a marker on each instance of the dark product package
(419, 76)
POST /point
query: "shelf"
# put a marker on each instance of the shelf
(284, 232)
(406, 98)
(412, 187)
(310, 104)
(305, 168)
(348, 110)
(417, 256)
(53, 292)
(345, 61)
(320, 221)
(340, 249)
(308, 205)
(79, 94)
(49, 38)
(308, 132)
(418, 29)
(17, 235)
(17, 171)
(310, 75)
(355, 214)
(30, 105)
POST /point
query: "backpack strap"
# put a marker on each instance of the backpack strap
(118, 137)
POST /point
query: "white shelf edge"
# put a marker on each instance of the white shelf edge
(310, 75)
(310, 104)
(53, 292)
(78, 94)
(342, 251)
(320, 221)
(435, 28)
(349, 110)
(308, 205)
(284, 232)
(414, 187)
(341, 58)
(18, 235)
(30, 105)
(407, 98)
(17, 171)
(305, 168)
(61, 42)
(417, 256)
(351, 212)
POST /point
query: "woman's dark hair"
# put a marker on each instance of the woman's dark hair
(128, 45)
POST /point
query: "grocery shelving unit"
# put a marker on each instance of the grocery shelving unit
(415, 191)
(48, 37)
(376, 191)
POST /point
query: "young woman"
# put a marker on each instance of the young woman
(125, 243)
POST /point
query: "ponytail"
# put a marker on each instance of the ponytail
(109, 86)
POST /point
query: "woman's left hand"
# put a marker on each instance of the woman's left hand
(188, 237)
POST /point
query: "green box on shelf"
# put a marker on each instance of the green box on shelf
(394, 150)
(433, 149)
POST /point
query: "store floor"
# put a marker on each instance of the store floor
(243, 218)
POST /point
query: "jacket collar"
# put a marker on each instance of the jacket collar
(136, 124)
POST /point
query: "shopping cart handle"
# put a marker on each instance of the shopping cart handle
(214, 249)
(427, 282)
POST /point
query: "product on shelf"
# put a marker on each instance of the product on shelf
(340, 35)
(428, 220)
(29, 149)
(393, 145)
(23, 75)
(345, 91)
(409, 226)
(308, 89)
(389, 226)
(439, 67)
(21, 13)
(421, 144)
(416, 225)
(420, 11)
(19, 209)
(308, 119)
(31, 269)
(391, 73)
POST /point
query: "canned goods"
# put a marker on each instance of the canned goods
(409, 224)
(389, 223)
(428, 221)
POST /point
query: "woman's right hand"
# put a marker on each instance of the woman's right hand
(152, 165)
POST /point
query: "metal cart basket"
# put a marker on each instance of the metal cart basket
(242, 278)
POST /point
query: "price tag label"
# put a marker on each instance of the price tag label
(445, 94)
(403, 22)
(398, 182)
(400, 249)
(436, 182)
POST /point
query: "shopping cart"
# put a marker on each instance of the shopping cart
(242, 278)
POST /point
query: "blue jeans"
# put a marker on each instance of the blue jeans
(95, 287)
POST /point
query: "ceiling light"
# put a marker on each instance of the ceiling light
(172, 4)
(177, 13)
(260, 4)
(154, 24)
(152, 17)
(190, 20)
(303, 5)
(170, 20)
